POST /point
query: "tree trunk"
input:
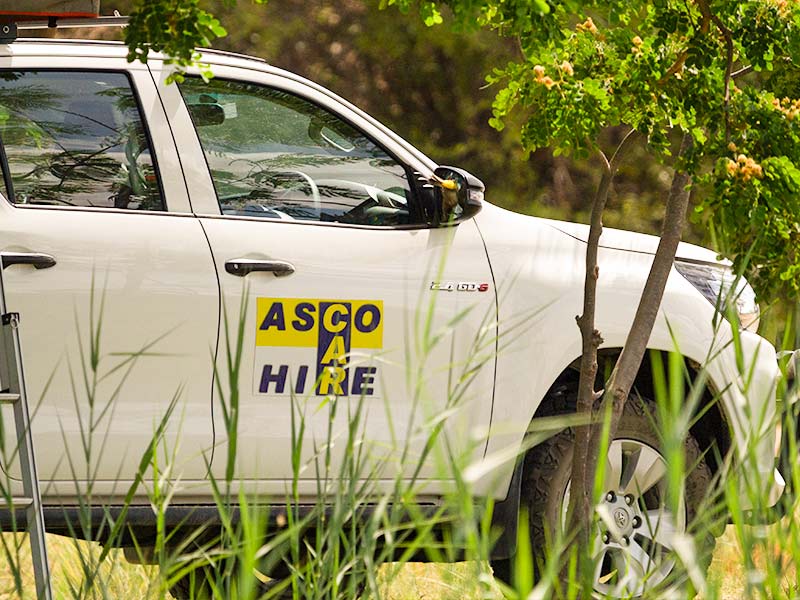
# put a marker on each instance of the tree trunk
(580, 508)
(627, 367)
(587, 437)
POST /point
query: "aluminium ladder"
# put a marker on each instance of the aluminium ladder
(12, 391)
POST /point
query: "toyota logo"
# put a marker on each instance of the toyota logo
(621, 518)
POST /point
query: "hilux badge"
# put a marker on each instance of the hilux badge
(459, 286)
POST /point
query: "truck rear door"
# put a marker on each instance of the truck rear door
(125, 320)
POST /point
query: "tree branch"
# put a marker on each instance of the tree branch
(676, 66)
(728, 36)
(580, 508)
(706, 18)
(627, 367)
(705, 11)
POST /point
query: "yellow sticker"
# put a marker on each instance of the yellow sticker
(314, 323)
(332, 328)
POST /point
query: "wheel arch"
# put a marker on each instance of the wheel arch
(710, 428)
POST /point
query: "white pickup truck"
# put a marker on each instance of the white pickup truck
(146, 212)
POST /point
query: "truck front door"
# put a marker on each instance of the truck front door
(326, 265)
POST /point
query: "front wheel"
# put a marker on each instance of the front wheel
(633, 542)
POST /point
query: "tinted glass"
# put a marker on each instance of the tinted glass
(76, 139)
(277, 156)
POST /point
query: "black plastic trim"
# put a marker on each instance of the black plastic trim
(140, 521)
(335, 224)
(505, 518)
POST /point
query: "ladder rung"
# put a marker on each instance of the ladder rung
(12, 391)
(8, 398)
(16, 502)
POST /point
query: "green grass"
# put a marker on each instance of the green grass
(331, 558)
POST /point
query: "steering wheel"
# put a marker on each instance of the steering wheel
(308, 181)
(380, 208)
(133, 148)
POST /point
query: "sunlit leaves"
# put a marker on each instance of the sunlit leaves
(755, 186)
(175, 28)
(660, 67)
(666, 67)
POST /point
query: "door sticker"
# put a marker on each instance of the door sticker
(305, 346)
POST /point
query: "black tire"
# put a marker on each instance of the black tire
(195, 585)
(546, 474)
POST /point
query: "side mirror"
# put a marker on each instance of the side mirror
(452, 195)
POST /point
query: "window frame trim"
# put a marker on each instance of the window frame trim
(165, 210)
(402, 227)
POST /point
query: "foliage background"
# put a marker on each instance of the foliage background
(429, 85)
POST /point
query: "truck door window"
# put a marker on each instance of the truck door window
(76, 139)
(278, 156)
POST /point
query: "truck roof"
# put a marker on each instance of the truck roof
(100, 48)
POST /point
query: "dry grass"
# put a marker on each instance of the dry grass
(415, 581)
(123, 580)
(726, 572)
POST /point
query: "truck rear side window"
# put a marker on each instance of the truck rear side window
(76, 139)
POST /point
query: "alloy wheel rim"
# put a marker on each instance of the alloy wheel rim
(633, 541)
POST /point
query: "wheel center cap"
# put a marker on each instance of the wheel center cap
(621, 518)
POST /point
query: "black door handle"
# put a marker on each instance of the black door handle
(243, 266)
(37, 259)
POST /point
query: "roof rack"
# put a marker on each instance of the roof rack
(10, 31)
(219, 52)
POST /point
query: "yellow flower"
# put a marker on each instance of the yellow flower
(782, 6)
(588, 25)
(637, 41)
(566, 67)
(745, 168)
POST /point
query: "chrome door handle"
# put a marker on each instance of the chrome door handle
(37, 259)
(243, 266)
